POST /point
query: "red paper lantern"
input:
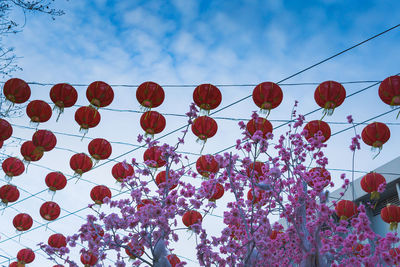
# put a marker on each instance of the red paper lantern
(22, 222)
(26, 255)
(191, 217)
(15, 264)
(391, 215)
(6, 130)
(267, 95)
(274, 234)
(371, 182)
(329, 95)
(9, 193)
(44, 140)
(254, 170)
(251, 197)
(204, 127)
(80, 163)
(57, 241)
(100, 94)
(375, 134)
(206, 165)
(38, 111)
(161, 179)
(16, 91)
(150, 95)
(63, 95)
(50, 211)
(99, 149)
(55, 181)
(87, 117)
(314, 126)
(152, 122)
(134, 252)
(345, 209)
(95, 230)
(393, 253)
(30, 152)
(13, 167)
(217, 192)
(207, 96)
(122, 170)
(145, 202)
(1, 144)
(88, 259)
(154, 154)
(319, 174)
(173, 260)
(389, 90)
(99, 192)
(259, 124)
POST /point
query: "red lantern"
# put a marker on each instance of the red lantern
(50, 211)
(22, 222)
(25, 255)
(191, 217)
(122, 170)
(207, 96)
(1, 144)
(9, 193)
(375, 134)
(357, 249)
(38, 111)
(63, 95)
(44, 140)
(145, 202)
(80, 163)
(99, 149)
(314, 126)
(389, 90)
(204, 127)
(371, 182)
(95, 230)
(161, 178)
(134, 252)
(206, 165)
(87, 117)
(267, 95)
(154, 154)
(173, 260)
(57, 241)
(6, 130)
(391, 214)
(329, 95)
(259, 124)
(345, 209)
(15, 264)
(152, 122)
(88, 259)
(255, 170)
(13, 167)
(274, 234)
(319, 174)
(99, 192)
(150, 95)
(393, 253)
(30, 152)
(16, 90)
(100, 94)
(255, 199)
(55, 181)
(217, 192)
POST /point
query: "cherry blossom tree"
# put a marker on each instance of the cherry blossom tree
(265, 180)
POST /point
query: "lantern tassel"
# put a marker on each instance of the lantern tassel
(393, 226)
(375, 195)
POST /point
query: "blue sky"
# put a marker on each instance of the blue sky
(193, 42)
